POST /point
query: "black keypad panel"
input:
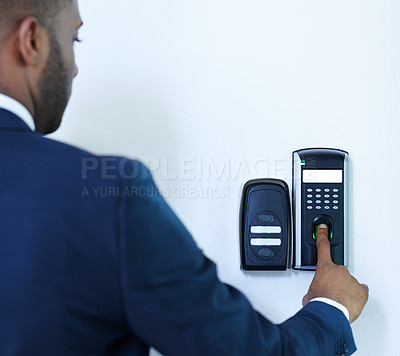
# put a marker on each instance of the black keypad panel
(323, 197)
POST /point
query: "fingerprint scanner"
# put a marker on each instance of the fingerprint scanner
(323, 220)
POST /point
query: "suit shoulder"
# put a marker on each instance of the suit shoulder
(58, 147)
(63, 157)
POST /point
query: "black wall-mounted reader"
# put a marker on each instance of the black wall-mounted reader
(320, 196)
(265, 227)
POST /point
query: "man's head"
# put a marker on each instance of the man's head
(37, 61)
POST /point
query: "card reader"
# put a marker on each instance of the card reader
(265, 225)
(320, 195)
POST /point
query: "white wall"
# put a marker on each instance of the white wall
(188, 85)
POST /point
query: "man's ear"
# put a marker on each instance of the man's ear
(33, 43)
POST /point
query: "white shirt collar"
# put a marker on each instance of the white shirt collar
(18, 109)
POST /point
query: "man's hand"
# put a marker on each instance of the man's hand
(334, 281)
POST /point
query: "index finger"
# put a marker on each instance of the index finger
(323, 245)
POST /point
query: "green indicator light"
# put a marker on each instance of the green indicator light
(303, 161)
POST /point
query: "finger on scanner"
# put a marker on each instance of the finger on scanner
(322, 231)
(323, 245)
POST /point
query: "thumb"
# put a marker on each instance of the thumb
(323, 245)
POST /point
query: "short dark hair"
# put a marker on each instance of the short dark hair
(45, 11)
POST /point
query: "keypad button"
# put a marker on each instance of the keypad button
(309, 190)
(318, 207)
(336, 196)
(318, 196)
(318, 201)
(336, 207)
(318, 190)
(327, 196)
(335, 202)
(327, 201)
(309, 201)
(309, 207)
(335, 190)
(327, 207)
(309, 195)
(327, 190)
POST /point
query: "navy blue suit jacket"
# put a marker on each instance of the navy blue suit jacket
(94, 262)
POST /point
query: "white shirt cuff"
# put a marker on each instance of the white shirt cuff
(334, 304)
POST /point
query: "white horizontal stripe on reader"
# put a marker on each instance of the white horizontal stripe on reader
(265, 242)
(265, 229)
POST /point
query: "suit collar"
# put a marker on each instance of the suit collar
(18, 109)
(8, 121)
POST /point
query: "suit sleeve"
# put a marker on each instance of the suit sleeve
(174, 301)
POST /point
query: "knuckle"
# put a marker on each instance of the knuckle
(343, 271)
(365, 293)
